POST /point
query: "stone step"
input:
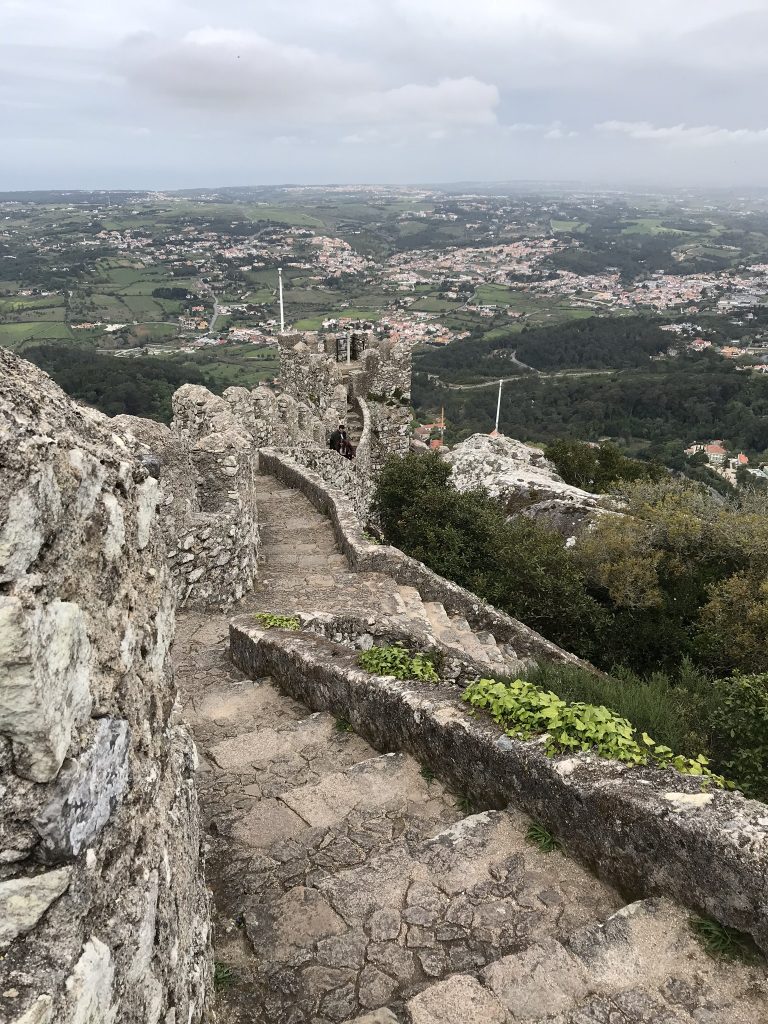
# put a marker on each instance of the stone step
(413, 606)
(275, 758)
(388, 783)
(362, 937)
(643, 965)
(438, 617)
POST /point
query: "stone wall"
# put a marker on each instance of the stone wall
(338, 472)
(205, 465)
(103, 909)
(384, 381)
(312, 376)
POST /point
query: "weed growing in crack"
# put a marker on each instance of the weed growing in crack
(342, 725)
(222, 976)
(721, 941)
(398, 662)
(269, 621)
(428, 775)
(543, 838)
(465, 804)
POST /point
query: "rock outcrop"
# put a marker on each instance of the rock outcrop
(103, 909)
(526, 481)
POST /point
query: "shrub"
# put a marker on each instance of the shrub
(398, 662)
(734, 625)
(519, 565)
(674, 709)
(524, 711)
(740, 731)
(598, 467)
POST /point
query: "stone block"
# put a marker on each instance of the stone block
(86, 793)
(23, 901)
(44, 683)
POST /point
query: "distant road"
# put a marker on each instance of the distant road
(522, 376)
(215, 317)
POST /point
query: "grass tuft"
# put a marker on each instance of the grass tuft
(540, 836)
(722, 941)
(222, 975)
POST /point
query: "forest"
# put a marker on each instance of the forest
(594, 343)
(135, 386)
(675, 401)
(669, 598)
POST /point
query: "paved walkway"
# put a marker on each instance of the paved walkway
(349, 884)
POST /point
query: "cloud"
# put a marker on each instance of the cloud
(228, 70)
(685, 135)
(551, 130)
(452, 101)
(408, 89)
(245, 74)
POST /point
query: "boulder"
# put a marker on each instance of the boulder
(526, 481)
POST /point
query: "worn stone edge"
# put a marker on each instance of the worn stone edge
(648, 832)
(363, 556)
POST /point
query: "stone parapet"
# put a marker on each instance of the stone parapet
(206, 463)
(103, 907)
(648, 832)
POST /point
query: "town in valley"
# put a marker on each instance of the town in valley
(565, 294)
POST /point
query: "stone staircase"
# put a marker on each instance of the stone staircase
(455, 633)
(350, 885)
(299, 557)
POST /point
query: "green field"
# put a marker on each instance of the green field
(430, 304)
(240, 365)
(649, 226)
(497, 295)
(314, 323)
(14, 335)
(571, 226)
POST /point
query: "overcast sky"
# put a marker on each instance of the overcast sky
(184, 93)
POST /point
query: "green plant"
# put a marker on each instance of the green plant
(523, 711)
(721, 941)
(427, 774)
(673, 708)
(540, 836)
(222, 975)
(342, 725)
(398, 662)
(740, 731)
(465, 803)
(269, 621)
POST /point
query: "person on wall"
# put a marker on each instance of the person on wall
(338, 439)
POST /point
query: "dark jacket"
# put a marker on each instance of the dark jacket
(336, 441)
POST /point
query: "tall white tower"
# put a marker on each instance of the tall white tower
(280, 290)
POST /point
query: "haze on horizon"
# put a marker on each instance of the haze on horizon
(184, 93)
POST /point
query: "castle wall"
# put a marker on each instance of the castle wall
(103, 908)
(206, 464)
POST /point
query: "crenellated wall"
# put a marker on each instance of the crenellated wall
(205, 465)
(103, 908)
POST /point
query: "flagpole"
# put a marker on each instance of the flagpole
(280, 288)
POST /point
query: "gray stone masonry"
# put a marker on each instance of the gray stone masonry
(104, 915)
